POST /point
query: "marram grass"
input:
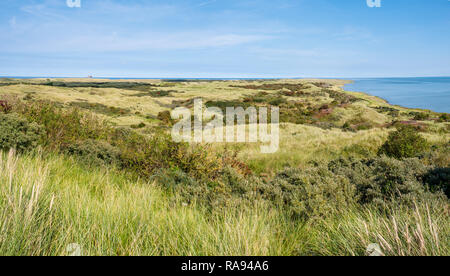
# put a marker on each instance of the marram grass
(48, 203)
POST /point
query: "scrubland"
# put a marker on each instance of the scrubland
(91, 162)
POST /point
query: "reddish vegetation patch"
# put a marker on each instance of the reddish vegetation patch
(323, 111)
(5, 107)
(327, 111)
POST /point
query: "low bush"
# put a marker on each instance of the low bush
(384, 180)
(63, 127)
(340, 97)
(303, 194)
(68, 128)
(17, 133)
(277, 101)
(317, 192)
(230, 190)
(421, 116)
(145, 155)
(5, 107)
(94, 152)
(438, 179)
(404, 143)
(165, 117)
(358, 123)
(138, 126)
(347, 127)
(444, 117)
(223, 105)
(101, 108)
(386, 109)
(311, 193)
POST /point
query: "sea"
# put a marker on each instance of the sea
(431, 93)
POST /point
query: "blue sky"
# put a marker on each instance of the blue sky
(225, 38)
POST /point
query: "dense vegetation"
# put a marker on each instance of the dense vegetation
(77, 177)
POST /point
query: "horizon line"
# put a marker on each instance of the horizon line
(218, 78)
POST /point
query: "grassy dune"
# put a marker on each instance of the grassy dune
(300, 143)
(50, 199)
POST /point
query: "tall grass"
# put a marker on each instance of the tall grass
(48, 203)
(421, 231)
(27, 215)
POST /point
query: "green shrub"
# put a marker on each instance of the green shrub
(63, 127)
(84, 134)
(138, 126)
(146, 155)
(17, 133)
(278, 101)
(347, 126)
(404, 143)
(311, 193)
(101, 108)
(439, 180)
(95, 152)
(421, 116)
(230, 190)
(444, 117)
(394, 113)
(358, 123)
(358, 150)
(223, 105)
(340, 97)
(384, 180)
(315, 192)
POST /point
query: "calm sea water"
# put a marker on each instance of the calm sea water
(424, 93)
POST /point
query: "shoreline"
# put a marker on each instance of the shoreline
(386, 100)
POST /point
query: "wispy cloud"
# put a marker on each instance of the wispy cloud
(115, 42)
(42, 11)
(207, 3)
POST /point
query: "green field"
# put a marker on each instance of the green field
(90, 162)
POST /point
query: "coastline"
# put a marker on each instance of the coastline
(381, 98)
(386, 100)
